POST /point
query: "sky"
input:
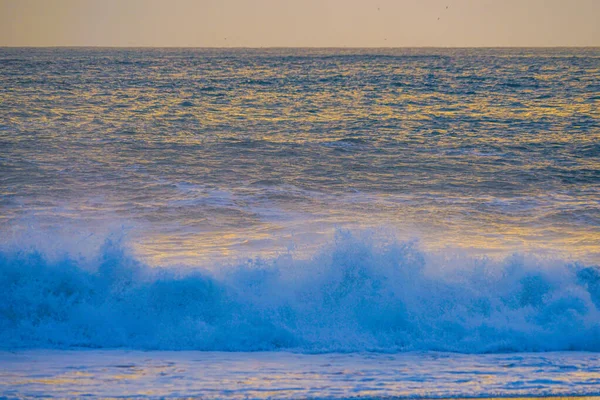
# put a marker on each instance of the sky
(300, 23)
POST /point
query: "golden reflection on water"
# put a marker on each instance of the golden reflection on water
(427, 142)
(290, 375)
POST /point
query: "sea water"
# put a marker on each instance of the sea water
(401, 202)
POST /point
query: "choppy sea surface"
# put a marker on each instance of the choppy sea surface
(305, 201)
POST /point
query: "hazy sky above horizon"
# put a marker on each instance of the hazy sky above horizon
(305, 23)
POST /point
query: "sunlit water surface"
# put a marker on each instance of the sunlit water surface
(275, 375)
(205, 154)
(303, 201)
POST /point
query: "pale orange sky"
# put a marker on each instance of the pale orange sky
(305, 23)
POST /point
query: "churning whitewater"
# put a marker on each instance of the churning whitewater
(356, 294)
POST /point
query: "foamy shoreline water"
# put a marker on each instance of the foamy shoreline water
(281, 375)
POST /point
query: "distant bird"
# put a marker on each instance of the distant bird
(446, 9)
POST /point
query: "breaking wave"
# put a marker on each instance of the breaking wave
(357, 294)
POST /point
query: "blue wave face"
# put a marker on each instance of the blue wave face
(356, 294)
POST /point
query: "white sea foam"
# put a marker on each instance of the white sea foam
(358, 293)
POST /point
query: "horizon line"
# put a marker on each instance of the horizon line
(291, 47)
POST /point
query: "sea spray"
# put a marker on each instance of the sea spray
(358, 293)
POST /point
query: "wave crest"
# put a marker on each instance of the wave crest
(356, 294)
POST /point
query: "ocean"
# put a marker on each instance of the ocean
(426, 219)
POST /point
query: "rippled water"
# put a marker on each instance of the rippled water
(310, 201)
(208, 154)
(158, 375)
